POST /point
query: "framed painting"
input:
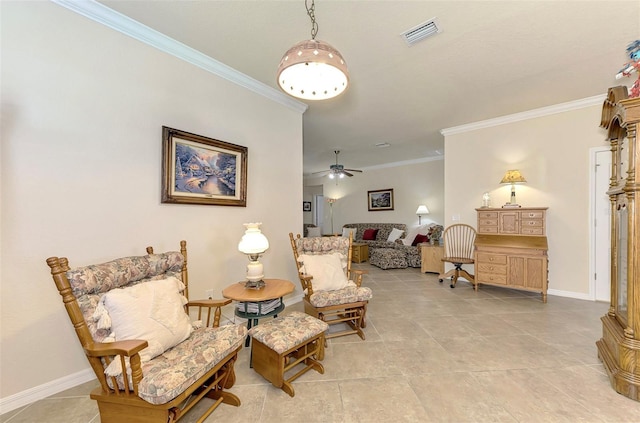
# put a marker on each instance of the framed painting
(380, 200)
(306, 206)
(201, 170)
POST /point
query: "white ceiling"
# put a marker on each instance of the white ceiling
(492, 59)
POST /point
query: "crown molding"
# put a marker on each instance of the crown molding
(121, 23)
(529, 114)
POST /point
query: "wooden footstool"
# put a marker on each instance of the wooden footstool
(281, 344)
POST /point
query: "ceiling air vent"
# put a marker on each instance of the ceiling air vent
(421, 31)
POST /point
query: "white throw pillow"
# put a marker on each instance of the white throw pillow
(327, 271)
(153, 311)
(395, 234)
(411, 235)
(346, 231)
(313, 232)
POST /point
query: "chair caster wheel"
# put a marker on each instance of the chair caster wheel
(452, 286)
(440, 280)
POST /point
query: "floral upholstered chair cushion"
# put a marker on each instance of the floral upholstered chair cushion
(334, 245)
(174, 370)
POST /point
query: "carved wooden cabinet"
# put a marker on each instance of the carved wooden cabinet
(619, 348)
(511, 248)
(521, 221)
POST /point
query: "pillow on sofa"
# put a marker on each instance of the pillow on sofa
(395, 234)
(313, 232)
(327, 271)
(419, 239)
(153, 311)
(411, 234)
(369, 234)
(345, 232)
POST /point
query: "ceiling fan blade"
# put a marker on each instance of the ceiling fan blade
(322, 171)
(353, 170)
(347, 173)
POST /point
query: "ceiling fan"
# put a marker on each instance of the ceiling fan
(337, 170)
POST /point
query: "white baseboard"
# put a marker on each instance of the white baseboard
(570, 294)
(36, 393)
(46, 389)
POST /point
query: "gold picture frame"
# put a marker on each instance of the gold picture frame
(202, 170)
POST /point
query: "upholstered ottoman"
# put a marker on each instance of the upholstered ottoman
(281, 344)
(388, 258)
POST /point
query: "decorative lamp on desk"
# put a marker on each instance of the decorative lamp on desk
(513, 177)
(422, 210)
(254, 244)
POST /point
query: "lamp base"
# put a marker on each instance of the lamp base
(254, 284)
(511, 206)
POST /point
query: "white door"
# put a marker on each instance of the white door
(601, 232)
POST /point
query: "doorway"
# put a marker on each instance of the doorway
(600, 248)
(318, 215)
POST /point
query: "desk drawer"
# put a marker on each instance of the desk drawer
(537, 223)
(488, 215)
(488, 222)
(532, 231)
(488, 258)
(533, 215)
(494, 269)
(491, 278)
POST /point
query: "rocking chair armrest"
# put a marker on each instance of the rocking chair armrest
(357, 276)
(126, 348)
(208, 306)
(209, 303)
(307, 284)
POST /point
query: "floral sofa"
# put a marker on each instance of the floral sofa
(388, 256)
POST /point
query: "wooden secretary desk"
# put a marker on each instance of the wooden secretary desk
(511, 248)
(619, 348)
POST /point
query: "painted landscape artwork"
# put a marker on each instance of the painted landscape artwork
(204, 171)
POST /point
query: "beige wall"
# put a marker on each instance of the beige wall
(82, 113)
(413, 184)
(552, 152)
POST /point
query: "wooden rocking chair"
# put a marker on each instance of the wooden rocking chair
(346, 305)
(145, 395)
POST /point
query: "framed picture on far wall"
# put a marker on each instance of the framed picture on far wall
(306, 206)
(380, 200)
(201, 170)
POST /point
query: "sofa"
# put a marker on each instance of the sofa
(394, 254)
(380, 241)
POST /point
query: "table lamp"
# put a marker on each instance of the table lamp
(422, 209)
(513, 177)
(254, 244)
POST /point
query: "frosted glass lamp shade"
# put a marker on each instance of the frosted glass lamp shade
(253, 244)
(253, 241)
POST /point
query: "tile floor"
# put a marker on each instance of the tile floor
(432, 354)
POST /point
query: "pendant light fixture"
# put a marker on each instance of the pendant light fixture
(313, 69)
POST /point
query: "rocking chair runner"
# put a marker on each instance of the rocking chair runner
(335, 305)
(167, 386)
